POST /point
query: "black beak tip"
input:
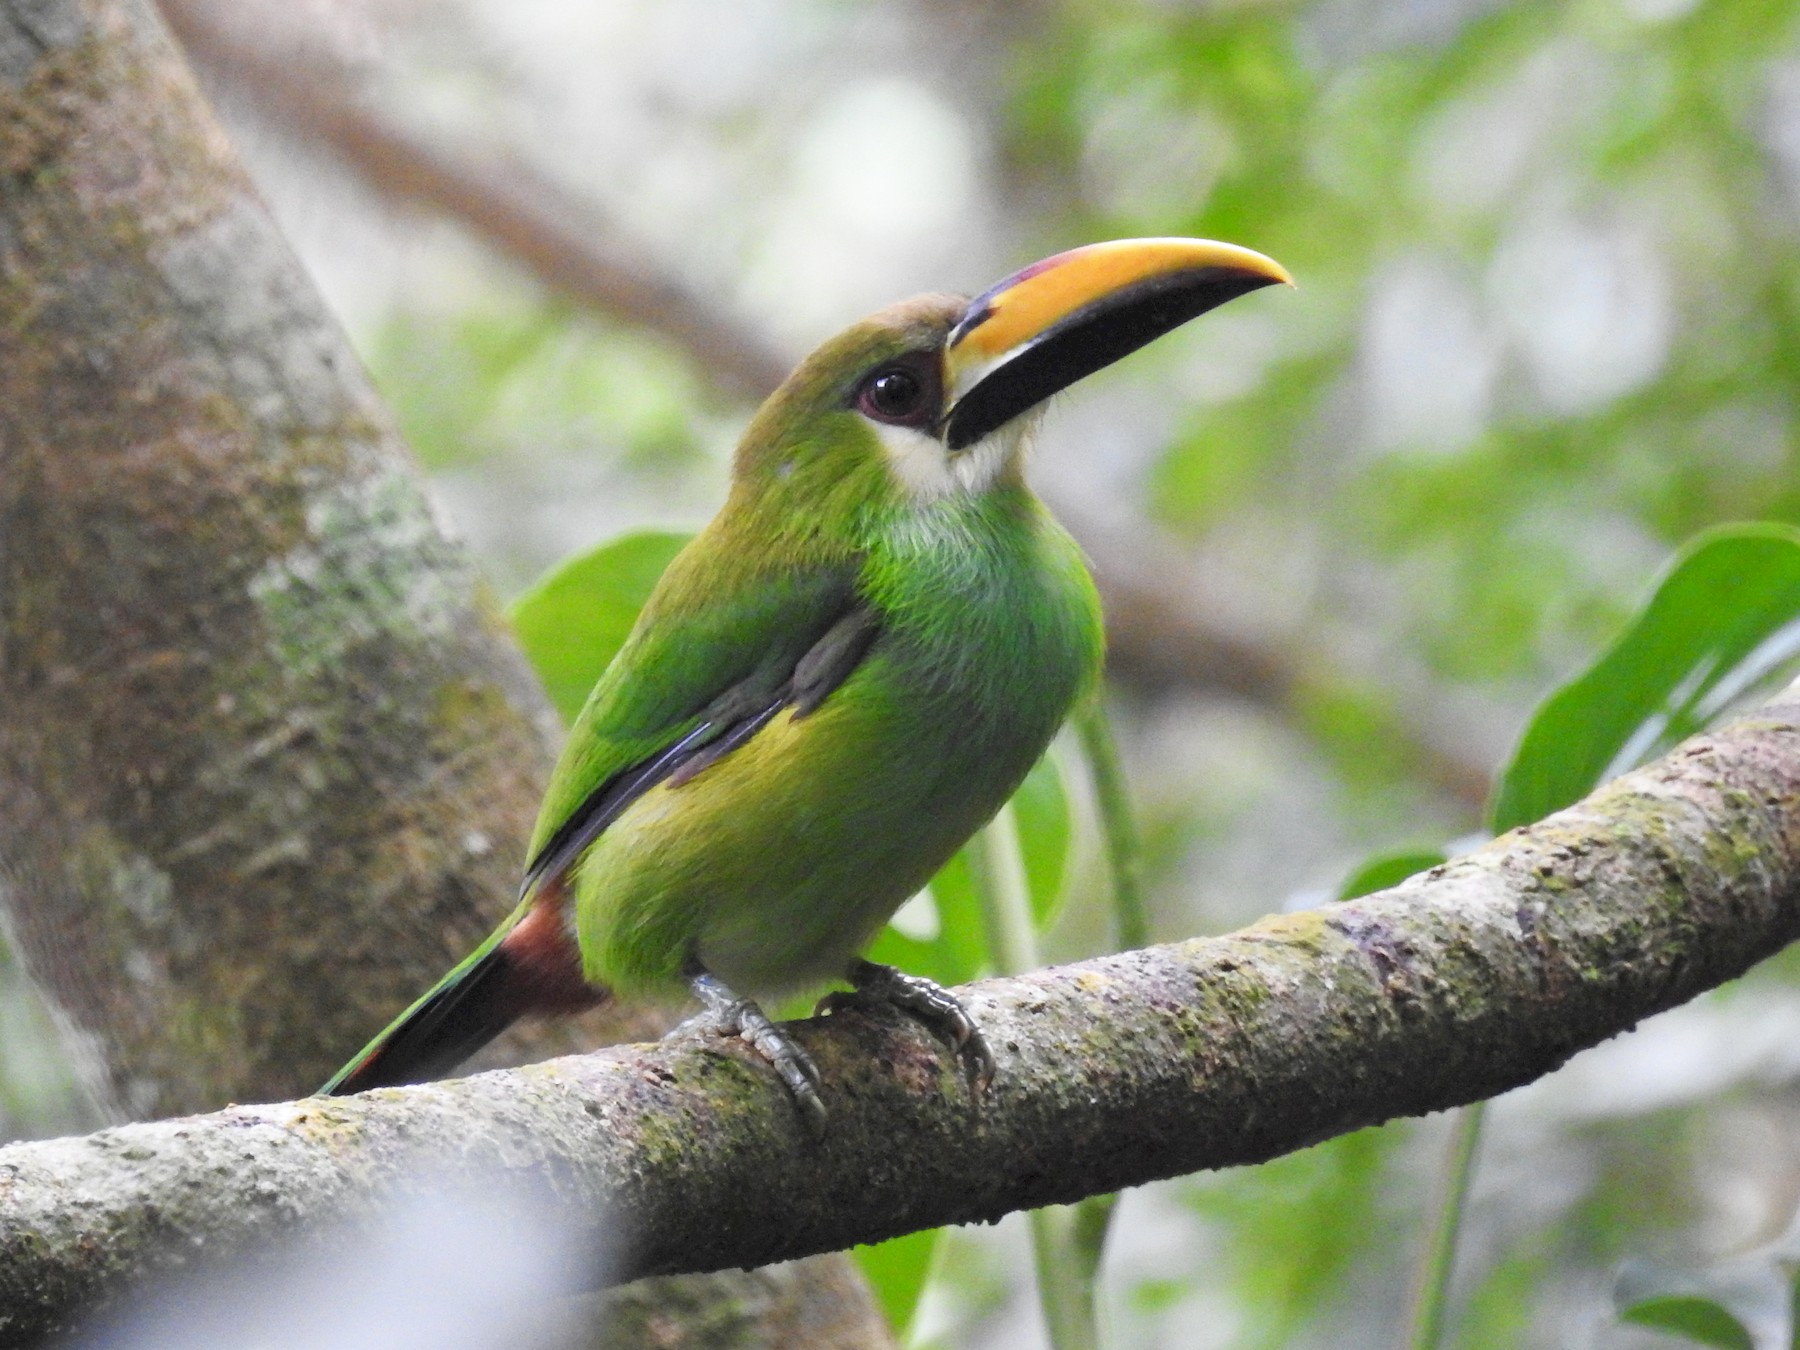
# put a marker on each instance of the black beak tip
(1087, 340)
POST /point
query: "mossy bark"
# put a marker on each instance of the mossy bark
(261, 734)
(268, 757)
(1463, 982)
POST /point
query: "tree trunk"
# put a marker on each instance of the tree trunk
(268, 757)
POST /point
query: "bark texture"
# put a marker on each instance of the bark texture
(268, 758)
(1466, 981)
(261, 732)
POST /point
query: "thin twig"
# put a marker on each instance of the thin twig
(1065, 1289)
(1437, 1261)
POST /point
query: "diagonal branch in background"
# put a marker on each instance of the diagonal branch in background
(1158, 638)
(1468, 980)
(521, 214)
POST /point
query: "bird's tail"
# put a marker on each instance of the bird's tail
(523, 968)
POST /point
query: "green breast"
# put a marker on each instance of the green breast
(780, 862)
(992, 619)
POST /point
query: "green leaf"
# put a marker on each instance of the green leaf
(955, 951)
(1388, 869)
(1041, 807)
(1741, 1304)
(896, 1270)
(1690, 1315)
(1295, 1229)
(1724, 617)
(573, 621)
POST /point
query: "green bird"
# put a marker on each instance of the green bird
(834, 685)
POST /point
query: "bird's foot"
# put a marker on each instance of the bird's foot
(931, 1003)
(738, 1016)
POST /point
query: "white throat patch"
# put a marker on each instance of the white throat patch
(928, 472)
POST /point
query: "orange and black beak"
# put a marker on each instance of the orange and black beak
(1047, 326)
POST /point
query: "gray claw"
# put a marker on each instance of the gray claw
(932, 1004)
(742, 1018)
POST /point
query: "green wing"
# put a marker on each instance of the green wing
(719, 648)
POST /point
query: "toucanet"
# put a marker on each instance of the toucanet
(836, 683)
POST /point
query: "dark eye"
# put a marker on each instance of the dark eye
(904, 393)
(893, 394)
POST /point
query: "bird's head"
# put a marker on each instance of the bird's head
(928, 398)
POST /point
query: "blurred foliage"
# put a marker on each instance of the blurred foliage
(1546, 260)
(517, 374)
(1301, 1226)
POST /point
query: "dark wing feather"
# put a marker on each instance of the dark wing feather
(729, 722)
(831, 659)
(606, 802)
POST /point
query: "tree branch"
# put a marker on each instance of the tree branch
(1468, 980)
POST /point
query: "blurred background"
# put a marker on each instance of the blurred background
(1547, 326)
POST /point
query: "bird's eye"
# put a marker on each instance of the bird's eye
(892, 395)
(901, 393)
